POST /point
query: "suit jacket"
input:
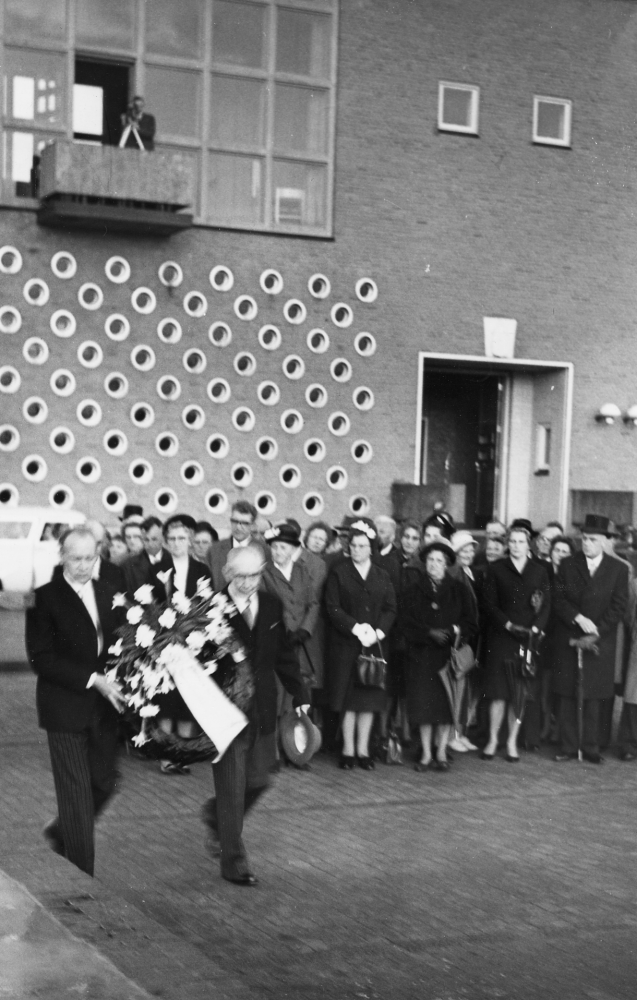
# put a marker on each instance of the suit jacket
(112, 574)
(139, 570)
(164, 591)
(217, 555)
(603, 598)
(62, 647)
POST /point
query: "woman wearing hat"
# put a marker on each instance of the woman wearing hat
(435, 611)
(361, 609)
(516, 597)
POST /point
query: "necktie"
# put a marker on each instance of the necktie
(248, 615)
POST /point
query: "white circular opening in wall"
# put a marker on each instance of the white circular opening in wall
(193, 417)
(319, 286)
(117, 327)
(269, 393)
(36, 292)
(169, 388)
(63, 323)
(34, 468)
(166, 500)
(316, 395)
(363, 398)
(290, 476)
(35, 410)
(143, 300)
(115, 443)
(293, 367)
(216, 501)
(61, 496)
(195, 361)
(10, 379)
(318, 341)
(170, 274)
(243, 419)
(336, 477)
(116, 385)
(195, 304)
(338, 423)
(295, 312)
(9, 438)
(314, 450)
(169, 330)
(10, 260)
(265, 502)
(62, 440)
(90, 354)
(245, 363)
(9, 495)
(341, 370)
(220, 334)
(362, 452)
(313, 504)
(63, 265)
(241, 475)
(291, 421)
(365, 344)
(269, 337)
(267, 448)
(192, 473)
(143, 358)
(359, 504)
(114, 499)
(245, 307)
(366, 290)
(140, 471)
(117, 270)
(142, 415)
(218, 445)
(90, 296)
(221, 278)
(342, 315)
(218, 390)
(35, 351)
(10, 319)
(89, 413)
(62, 382)
(88, 470)
(167, 444)
(271, 281)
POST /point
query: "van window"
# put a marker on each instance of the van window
(52, 532)
(15, 529)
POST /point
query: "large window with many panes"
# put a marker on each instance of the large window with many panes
(245, 87)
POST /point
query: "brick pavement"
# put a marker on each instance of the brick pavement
(491, 881)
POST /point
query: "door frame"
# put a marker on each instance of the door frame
(504, 366)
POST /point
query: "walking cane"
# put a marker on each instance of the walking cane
(580, 703)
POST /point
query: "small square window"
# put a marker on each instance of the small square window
(458, 105)
(552, 121)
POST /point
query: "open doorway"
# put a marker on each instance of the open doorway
(100, 96)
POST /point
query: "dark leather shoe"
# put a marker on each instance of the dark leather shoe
(346, 763)
(366, 763)
(486, 756)
(247, 880)
(511, 759)
(441, 765)
(560, 758)
(593, 758)
(53, 837)
(421, 766)
(627, 755)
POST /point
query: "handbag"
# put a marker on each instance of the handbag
(371, 670)
(393, 752)
(462, 659)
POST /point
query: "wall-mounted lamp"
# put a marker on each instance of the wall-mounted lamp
(608, 414)
(630, 416)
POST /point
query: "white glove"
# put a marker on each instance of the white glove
(365, 634)
(380, 635)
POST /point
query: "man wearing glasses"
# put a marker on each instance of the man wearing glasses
(242, 526)
(242, 774)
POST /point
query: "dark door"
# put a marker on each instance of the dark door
(114, 81)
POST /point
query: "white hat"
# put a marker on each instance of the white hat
(461, 538)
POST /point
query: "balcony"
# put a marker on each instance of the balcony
(82, 186)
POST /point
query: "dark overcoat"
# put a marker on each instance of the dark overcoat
(164, 591)
(350, 600)
(300, 607)
(603, 598)
(506, 597)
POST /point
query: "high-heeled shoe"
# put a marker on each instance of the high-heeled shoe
(366, 763)
(512, 759)
(442, 765)
(486, 756)
(346, 763)
(423, 765)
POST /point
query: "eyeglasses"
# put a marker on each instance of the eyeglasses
(246, 524)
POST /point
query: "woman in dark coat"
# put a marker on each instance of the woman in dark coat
(516, 597)
(434, 611)
(361, 608)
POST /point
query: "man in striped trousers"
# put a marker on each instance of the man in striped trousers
(68, 634)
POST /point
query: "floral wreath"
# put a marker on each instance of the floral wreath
(270, 533)
(364, 529)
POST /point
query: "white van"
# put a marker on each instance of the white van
(29, 547)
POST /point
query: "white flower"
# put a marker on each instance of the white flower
(144, 594)
(144, 636)
(111, 675)
(364, 528)
(140, 739)
(271, 533)
(116, 649)
(119, 601)
(135, 614)
(164, 576)
(181, 602)
(167, 618)
(210, 667)
(196, 640)
(148, 710)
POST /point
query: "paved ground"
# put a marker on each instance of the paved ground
(491, 881)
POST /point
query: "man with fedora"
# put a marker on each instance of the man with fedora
(590, 600)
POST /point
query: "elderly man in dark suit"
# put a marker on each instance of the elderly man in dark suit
(69, 631)
(591, 596)
(242, 526)
(242, 774)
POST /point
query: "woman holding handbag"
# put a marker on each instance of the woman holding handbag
(436, 613)
(361, 608)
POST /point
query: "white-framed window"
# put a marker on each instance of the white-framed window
(552, 117)
(458, 107)
(543, 449)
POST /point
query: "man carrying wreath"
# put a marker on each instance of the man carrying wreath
(242, 774)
